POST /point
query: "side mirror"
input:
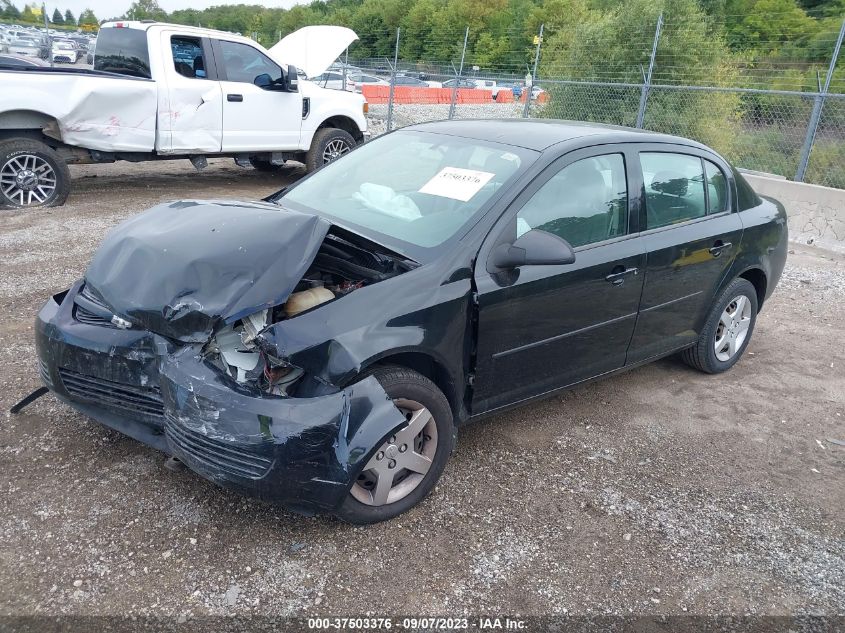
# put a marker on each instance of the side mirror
(534, 248)
(264, 81)
(292, 79)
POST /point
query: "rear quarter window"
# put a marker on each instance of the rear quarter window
(123, 51)
(746, 197)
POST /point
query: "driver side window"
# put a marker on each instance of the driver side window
(585, 202)
(244, 63)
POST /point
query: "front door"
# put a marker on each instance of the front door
(255, 119)
(692, 237)
(545, 327)
(190, 117)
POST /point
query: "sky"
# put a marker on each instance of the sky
(109, 8)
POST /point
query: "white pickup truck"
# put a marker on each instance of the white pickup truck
(163, 91)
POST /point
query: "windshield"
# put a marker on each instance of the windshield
(413, 187)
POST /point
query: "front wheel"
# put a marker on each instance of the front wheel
(328, 144)
(727, 331)
(405, 468)
(32, 175)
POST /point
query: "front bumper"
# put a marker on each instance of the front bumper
(302, 452)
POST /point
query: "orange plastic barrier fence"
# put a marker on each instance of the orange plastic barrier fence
(375, 94)
(504, 96)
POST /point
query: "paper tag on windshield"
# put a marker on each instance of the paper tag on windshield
(456, 183)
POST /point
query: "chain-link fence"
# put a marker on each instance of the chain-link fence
(784, 116)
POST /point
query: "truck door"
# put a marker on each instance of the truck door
(255, 118)
(190, 113)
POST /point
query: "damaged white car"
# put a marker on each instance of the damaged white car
(164, 91)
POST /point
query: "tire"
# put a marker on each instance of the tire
(404, 386)
(323, 139)
(265, 166)
(703, 355)
(19, 156)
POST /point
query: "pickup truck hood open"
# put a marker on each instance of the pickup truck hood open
(183, 268)
(313, 48)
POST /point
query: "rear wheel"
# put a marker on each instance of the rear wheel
(32, 175)
(727, 331)
(328, 144)
(405, 468)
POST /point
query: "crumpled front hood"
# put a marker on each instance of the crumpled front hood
(182, 268)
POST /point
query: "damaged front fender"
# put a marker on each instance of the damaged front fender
(303, 452)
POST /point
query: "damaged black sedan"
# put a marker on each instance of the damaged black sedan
(321, 348)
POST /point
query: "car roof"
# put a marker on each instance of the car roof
(540, 134)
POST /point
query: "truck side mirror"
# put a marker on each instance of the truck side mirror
(292, 79)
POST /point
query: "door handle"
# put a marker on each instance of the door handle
(235, 98)
(718, 247)
(618, 278)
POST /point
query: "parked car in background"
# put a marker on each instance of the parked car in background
(25, 48)
(334, 80)
(8, 60)
(362, 79)
(321, 348)
(460, 83)
(64, 52)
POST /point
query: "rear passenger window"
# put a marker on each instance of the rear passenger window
(717, 188)
(583, 203)
(674, 186)
(188, 59)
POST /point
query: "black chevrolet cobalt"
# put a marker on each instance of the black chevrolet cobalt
(321, 348)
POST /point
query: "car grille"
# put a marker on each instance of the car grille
(89, 318)
(215, 454)
(44, 373)
(113, 395)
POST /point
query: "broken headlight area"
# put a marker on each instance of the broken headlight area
(339, 268)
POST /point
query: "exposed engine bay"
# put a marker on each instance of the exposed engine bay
(339, 268)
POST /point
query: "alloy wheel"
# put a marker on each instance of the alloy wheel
(27, 179)
(732, 329)
(334, 150)
(401, 463)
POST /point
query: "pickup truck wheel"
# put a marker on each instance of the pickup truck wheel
(32, 175)
(405, 468)
(329, 143)
(727, 331)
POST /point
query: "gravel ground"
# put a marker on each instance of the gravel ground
(658, 492)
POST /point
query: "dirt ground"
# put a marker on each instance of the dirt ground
(660, 491)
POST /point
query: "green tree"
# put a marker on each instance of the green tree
(27, 15)
(146, 10)
(70, 18)
(87, 18)
(57, 17)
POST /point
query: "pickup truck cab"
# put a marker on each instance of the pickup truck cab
(164, 91)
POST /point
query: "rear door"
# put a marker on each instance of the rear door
(692, 236)
(191, 116)
(255, 118)
(544, 327)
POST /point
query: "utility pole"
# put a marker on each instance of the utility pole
(647, 78)
(533, 73)
(458, 76)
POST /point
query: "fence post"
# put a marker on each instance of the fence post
(533, 73)
(647, 78)
(458, 76)
(815, 117)
(47, 34)
(345, 67)
(393, 82)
